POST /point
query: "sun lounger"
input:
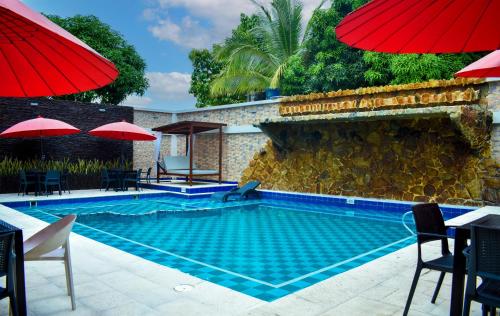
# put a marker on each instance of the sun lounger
(179, 166)
(240, 193)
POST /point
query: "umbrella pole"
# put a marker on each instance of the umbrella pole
(41, 149)
(122, 158)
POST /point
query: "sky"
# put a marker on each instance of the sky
(163, 32)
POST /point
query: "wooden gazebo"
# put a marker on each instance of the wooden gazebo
(177, 166)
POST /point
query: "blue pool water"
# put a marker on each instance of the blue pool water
(264, 248)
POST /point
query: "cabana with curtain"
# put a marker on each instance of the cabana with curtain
(183, 166)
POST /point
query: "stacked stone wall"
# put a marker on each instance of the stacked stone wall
(492, 179)
(237, 148)
(493, 100)
(235, 116)
(422, 160)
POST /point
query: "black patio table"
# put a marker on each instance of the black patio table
(462, 233)
(120, 174)
(19, 275)
(39, 178)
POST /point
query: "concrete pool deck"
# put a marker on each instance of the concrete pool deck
(109, 281)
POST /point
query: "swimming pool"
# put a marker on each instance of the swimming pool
(264, 248)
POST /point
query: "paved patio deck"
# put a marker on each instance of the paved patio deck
(109, 281)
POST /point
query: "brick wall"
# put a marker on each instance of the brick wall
(232, 116)
(494, 105)
(238, 148)
(85, 116)
(144, 151)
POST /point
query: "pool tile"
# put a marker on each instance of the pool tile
(299, 258)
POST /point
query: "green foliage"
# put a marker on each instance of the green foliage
(405, 68)
(243, 31)
(271, 50)
(326, 64)
(295, 78)
(113, 46)
(205, 69)
(11, 166)
(258, 58)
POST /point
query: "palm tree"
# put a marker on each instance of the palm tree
(256, 62)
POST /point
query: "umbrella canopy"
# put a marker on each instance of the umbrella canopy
(423, 26)
(39, 58)
(488, 66)
(39, 127)
(122, 131)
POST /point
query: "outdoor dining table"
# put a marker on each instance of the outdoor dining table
(39, 179)
(119, 175)
(487, 216)
(19, 265)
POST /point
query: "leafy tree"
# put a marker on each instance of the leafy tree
(206, 67)
(113, 46)
(405, 68)
(326, 64)
(243, 32)
(259, 60)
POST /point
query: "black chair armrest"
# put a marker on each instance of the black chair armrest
(432, 235)
(467, 251)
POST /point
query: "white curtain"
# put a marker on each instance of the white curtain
(157, 149)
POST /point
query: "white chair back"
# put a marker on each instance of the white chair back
(50, 238)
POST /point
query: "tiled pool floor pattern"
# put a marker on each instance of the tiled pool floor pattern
(112, 282)
(266, 252)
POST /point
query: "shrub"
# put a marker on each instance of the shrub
(11, 166)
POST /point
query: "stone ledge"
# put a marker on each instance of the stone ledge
(415, 95)
(432, 84)
(428, 112)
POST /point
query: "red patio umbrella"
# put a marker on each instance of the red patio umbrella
(488, 66)
(39, 127)
(122, 131)
(423, 26)
(39, 58)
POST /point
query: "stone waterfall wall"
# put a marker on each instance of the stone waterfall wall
(411, 160)
(492, 180)
(422, 158)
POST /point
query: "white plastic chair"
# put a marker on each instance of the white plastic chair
(52, 243)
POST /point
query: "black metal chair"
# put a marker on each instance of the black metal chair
(484, 262)
(24, 182)
(430, 226)
(65, 180)
(7, 258)
(132, 177)
(108, 179)
(52, 179)
(148, 175)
